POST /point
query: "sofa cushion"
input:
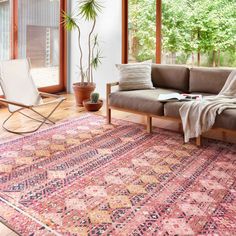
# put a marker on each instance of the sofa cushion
(171, 109)
(226, 120)
(170, 76)
(207, 80)
(140, 100)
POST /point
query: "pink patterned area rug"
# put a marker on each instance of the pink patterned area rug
(83, 177)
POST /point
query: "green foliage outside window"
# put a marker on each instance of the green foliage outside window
(197, 32)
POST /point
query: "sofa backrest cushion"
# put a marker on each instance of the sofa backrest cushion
(207, 80)
(170, 76)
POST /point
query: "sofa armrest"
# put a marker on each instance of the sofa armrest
(109, 85)
(114, 83)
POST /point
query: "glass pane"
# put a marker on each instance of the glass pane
(199, 33)
(38, 38)
(142, 30)
(5, 32)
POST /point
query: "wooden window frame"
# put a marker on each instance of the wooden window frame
(62, 86)
(125, 31)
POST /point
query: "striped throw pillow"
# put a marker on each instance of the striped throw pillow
(135, 76)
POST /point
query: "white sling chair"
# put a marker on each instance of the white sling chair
(21, 93)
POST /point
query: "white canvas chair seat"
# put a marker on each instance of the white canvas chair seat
(20, 91)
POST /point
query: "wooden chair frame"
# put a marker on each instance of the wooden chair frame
(45, 119)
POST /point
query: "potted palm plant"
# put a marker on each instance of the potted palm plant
(86, 10)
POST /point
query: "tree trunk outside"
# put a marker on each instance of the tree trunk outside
(214, 59)
(218, 63)
(192, 58)
(198, 58)
(199, 53)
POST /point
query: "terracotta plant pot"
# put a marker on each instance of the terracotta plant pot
(89, 106)
(82, 92)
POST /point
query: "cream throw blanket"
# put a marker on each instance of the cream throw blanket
(199, 116)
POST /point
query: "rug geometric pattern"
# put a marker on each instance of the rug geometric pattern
(84, 177)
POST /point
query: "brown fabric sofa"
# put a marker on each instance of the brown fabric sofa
(168, 79)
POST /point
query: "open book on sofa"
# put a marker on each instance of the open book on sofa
(179, 97)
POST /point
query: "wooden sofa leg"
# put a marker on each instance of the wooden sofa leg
(108, 115)
(199, 141)
(149, 124)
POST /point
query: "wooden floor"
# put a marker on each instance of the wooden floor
(69, 110)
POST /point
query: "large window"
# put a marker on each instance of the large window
(194, 33)
(32, 29)
(5, 30)
(142, 30)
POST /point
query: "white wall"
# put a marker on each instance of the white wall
(109, 31)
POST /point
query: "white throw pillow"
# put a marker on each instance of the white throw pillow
(135, 76)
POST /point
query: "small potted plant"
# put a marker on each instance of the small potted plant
(86, 10)
(94, 103)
